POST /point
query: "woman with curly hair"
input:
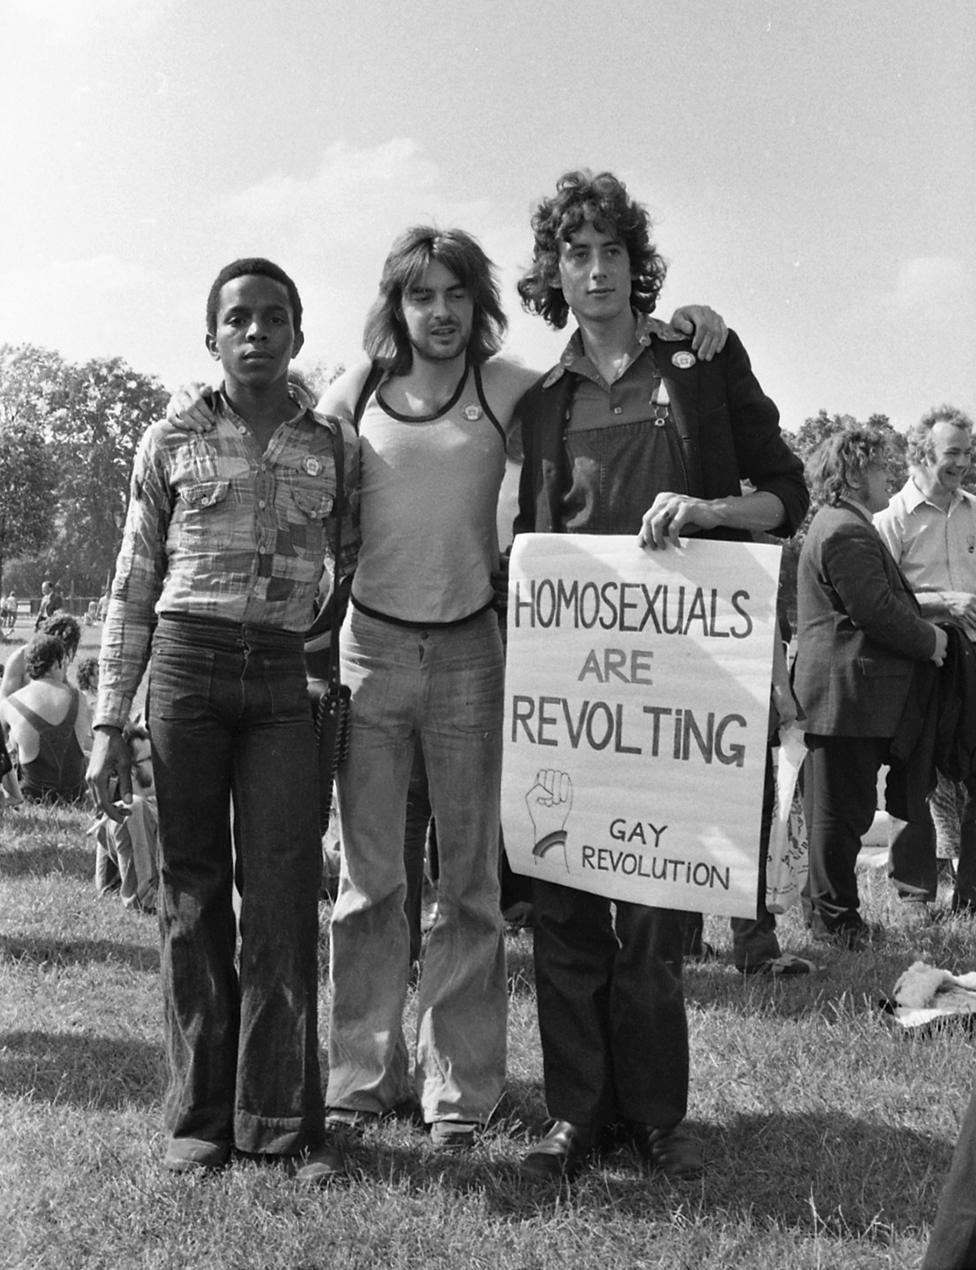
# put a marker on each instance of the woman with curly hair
(860, 637)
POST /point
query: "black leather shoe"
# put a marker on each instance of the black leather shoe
(673, 1152)
(561, 1153)
(195, 1155)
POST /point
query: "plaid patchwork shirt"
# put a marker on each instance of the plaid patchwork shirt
(218, 528)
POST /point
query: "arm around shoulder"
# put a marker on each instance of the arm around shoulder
(340, 397)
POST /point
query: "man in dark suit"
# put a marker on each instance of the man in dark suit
(860, 636)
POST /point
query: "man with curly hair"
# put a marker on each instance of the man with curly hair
(930, 529)
(631, 432)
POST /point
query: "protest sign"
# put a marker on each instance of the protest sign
(636, 713)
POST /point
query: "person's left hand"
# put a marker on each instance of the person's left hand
(110, 758)
(671, 515)
(706, 327)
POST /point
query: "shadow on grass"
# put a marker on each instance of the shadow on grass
(816, 1174)
(84, 1071)
(46, 951)
(46, 857)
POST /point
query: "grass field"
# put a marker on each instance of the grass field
(827, 1131)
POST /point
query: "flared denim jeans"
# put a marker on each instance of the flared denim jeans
(444, 687)
(234, 763)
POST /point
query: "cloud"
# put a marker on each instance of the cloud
(68, 296)
(333, 227)
(60, 21)
(925, 285)
(924, 294)
(906, 344)
(102, 306)
(383, 188)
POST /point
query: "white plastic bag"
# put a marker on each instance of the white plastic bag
(788, 859)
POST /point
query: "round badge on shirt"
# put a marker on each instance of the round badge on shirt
(311, 465)
(683, 360)
(471, 413)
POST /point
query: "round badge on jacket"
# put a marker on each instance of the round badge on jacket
(683, 360)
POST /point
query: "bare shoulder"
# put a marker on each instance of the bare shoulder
(13, 675)
(340, 397)
(505, 381)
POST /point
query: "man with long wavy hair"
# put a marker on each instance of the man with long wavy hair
(631, 432)
(422, 653)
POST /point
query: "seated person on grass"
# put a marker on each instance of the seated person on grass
(49, 723)
(65, 628)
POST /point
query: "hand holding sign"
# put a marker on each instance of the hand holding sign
(550, 800)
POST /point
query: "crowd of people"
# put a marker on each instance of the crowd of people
(646, 428)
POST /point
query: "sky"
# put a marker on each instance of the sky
(810, 169)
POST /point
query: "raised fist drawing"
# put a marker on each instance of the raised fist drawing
(549, 802)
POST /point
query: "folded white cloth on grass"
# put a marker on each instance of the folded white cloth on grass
(924, 993)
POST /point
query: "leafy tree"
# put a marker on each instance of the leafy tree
(108, 407)
(31, 383)
(27, 483)
(819, 427)
(90, 418)
(30, 386)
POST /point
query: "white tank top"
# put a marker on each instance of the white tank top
(428, 496)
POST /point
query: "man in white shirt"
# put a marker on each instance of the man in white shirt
(930, 529)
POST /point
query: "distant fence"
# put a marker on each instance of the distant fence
(82, 607)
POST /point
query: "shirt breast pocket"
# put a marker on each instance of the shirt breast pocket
(310, 500)
(204, 515)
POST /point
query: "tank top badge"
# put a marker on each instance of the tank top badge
(472, 412)
(683, 360)
(311, 465)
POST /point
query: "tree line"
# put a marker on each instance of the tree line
(68, 435)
